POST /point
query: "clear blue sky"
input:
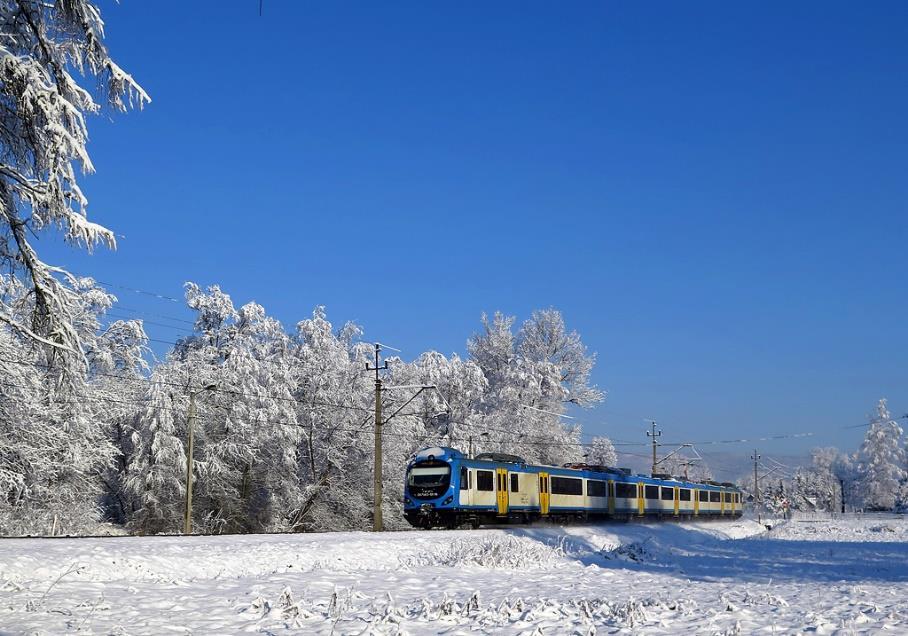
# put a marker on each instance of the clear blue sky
(713, 193)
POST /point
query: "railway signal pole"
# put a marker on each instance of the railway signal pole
(377, 477)
(654, 434)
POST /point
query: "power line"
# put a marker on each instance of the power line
(145, 404)
(183, 386)
(135, 290)
(316, 403)
(119, 307)
(149, 322)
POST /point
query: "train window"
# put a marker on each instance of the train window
(566, 486)
(684, 494)
(514, 482)
(484, 480)
(595, 488)
(626, 491)
(651, 492)
(714, 496)
(464, 478)
(704, 495)
(668, 494)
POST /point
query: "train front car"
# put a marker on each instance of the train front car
(430, 489)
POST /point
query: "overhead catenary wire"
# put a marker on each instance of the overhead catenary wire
(149, 322)
(183, 386)
(303, 401)
(135, 290)
(527, 439)
(356, 430)
(362, 429)
(165, 297)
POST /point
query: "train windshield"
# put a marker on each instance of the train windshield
(429, 482)
(429, 476)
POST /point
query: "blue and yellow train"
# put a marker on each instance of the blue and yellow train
(445, 488)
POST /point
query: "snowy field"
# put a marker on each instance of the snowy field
(816, 576)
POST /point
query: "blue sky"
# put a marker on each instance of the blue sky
(712, 193)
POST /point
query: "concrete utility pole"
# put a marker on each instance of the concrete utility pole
(376, 483)
(756, 459)
(654, 434)
(190, 446)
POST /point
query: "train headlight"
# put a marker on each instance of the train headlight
(407, 501)
(447, 500)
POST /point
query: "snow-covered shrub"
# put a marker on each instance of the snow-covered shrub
(493, 551)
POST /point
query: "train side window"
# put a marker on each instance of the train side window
(651, 492)
(514, 482)
(464, 478)
(626, 491)
(595, 488)
(484, 480)
(668, 494)
(714, 496)
(567, 486)
(684, 494)
(704, 495)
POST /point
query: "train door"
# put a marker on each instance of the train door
(722, 503)
(677, 499)
(543, 493)
(611, 496)
(502, 483)
(465, 497)
(696, 496)
(641, 505)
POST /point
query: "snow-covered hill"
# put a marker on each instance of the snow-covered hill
(730, 577)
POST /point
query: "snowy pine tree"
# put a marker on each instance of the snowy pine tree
(156, 470)
(882, 462)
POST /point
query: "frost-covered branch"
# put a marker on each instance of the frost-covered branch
(45, 49)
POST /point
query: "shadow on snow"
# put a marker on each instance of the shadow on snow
(696, 555)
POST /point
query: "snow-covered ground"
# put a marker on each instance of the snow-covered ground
(826, 577)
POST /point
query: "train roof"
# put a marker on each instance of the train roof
(445, 453)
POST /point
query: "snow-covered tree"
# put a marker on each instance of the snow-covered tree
(46, 48)
(249, 470)
(55, 450)
(602, 452)
(155, 475)
(532, 376)
(882, 462)
(283, 442)
(679, 464)
(334, 412)
(560, 356)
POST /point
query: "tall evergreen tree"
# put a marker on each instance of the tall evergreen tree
(156, 470)
(882, 462)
